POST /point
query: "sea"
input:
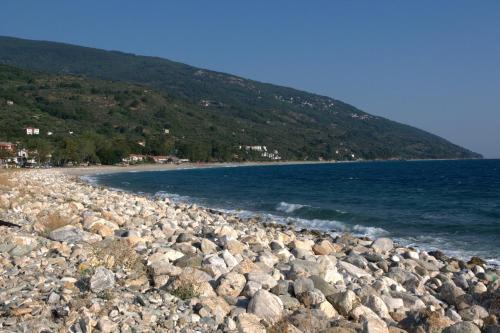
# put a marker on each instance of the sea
(447, 205)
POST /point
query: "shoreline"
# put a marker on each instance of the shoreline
(145, 167)
(248, 276)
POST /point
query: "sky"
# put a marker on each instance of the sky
(431, 64)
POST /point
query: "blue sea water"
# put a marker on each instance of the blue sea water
(453, 206)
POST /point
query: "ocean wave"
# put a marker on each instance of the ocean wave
(173, 197)
(289, 207)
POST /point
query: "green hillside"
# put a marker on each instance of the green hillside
(113, 97)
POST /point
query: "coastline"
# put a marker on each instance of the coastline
(249, 275)
(109, 169)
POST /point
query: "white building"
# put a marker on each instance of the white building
(32, 131)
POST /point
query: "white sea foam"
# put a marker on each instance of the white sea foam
(173, 197)
(288, 207)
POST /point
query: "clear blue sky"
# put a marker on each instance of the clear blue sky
(431, 64)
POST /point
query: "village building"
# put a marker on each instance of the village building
(9, 102)
(32, 131)
(166, 131)
(160, 159)
(7, 146)
(134, 158)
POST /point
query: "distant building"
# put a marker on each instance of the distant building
(134, 158)
(9, 102)
(49, 133)
(166, 131)
(141, 143)
(7, 146)
(32, 131)
(160, 159)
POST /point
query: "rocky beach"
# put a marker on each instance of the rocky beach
(77, 257)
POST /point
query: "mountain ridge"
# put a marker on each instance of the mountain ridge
(324, 124)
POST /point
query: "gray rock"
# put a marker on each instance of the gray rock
(305, 268)
(231, 284)
(265, 280)
(344, 302)
(473, 313)
(450, 293)
(71, 234)
(353, 270)
(289, 302)
(281, 288)
(462, 327)
(311, 297)
(325, 287)
(189, 261)
(103, 279)
(302, 285)
(266, 306)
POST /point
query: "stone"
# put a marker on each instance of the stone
(251, 288)
(216, 306)
(311, 297)
(231, 284)
(302, 285)
(344, 302)
(281, 288)
(305, 268)
(328, 310)
(107, 326)
(172, 255)
(53, 298)
(321, 284)
(377, 305)
(72, 234)
(353, 270)
(473, 313)
(362, 313)
(207, 246)
(450, 293)
(324, 247)
(462, 327)
(266, 306)
(265, 280)
(375, 326)
(189, 261)
(383, 245)
(103, 279)
(289, 302)
(249, 323)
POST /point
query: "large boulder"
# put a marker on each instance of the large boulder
(266, 305)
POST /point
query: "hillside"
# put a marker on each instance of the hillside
(209, 114)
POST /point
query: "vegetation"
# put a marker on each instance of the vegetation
(113, 101)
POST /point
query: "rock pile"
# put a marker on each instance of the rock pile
(90, 259)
